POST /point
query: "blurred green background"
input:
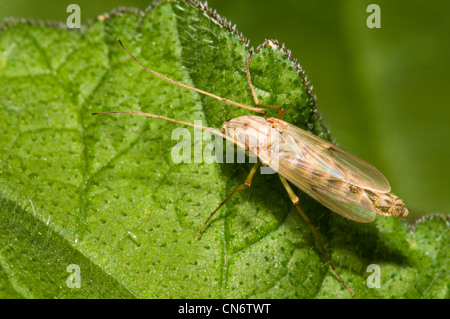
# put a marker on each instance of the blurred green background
(383, 92)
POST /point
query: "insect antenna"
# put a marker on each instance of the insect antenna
(224, 100)
(206, 128)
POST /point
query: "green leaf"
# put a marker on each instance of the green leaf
(103, 192)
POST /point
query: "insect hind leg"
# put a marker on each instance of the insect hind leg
(296, 202)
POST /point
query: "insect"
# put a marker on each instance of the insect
(334, 177)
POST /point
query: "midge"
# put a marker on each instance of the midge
(339, 180)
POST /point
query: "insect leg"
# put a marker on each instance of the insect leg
(296, 202)
(255, 98)
(246, 184)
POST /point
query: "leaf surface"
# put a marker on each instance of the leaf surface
(103, 192)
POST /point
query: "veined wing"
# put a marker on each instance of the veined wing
(327, 159)
(332, 193)
(332, 176)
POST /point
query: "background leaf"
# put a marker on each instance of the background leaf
(381, 91)
(104, 191)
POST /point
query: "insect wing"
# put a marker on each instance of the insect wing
(340, 164)
(330, 192)
(324, 171)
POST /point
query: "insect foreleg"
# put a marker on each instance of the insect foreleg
(296, 202)
(247, 183)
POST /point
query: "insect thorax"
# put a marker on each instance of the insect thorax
(258, 135)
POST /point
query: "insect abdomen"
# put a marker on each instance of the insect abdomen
(387, 204)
